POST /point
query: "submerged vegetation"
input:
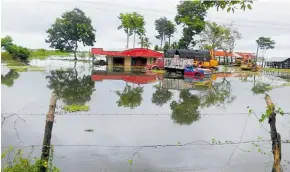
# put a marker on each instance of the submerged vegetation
(76, 108)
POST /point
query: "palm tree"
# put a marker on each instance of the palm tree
(144, 42)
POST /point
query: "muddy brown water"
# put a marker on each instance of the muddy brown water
(157, 117)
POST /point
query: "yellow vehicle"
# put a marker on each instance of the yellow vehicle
(208, 60)
(249, 65)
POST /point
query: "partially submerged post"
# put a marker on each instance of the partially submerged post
(47, 132)
(275, 137)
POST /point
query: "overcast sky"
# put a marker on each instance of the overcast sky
(27, 20)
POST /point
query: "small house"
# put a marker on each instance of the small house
(128, 59)
(278, 62)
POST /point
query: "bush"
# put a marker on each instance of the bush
(25, 164)
(6, 56)
(17, 52)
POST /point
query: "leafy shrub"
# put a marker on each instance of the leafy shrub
(24, 164)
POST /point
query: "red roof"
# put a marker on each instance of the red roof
(136, 79)
(136, 52)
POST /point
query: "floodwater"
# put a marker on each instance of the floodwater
(143, 123)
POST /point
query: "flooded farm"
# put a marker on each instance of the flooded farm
(144, 122)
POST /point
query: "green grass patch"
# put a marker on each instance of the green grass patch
(76, 108)
(5, 56)
(42, 54)
(276, 70)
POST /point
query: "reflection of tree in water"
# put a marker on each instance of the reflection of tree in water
(70, 87)
(9, 78)
(130, 96)
(185, 111)
(261, 88)
(218, 94)
(161, 96)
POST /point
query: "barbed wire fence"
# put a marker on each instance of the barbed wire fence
(19, 116)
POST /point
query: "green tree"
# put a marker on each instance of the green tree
(174, 45)
(229, 44)
(9, 78)
(185, 111)
(6, 42)
(71, 28)
(169, 30)
(229, 5)
(126, 24)
(191, 14)
(161, 96)
(144, 42)
(138, 25)
(130, 97)
(166, 46)
(156, 48)
(70, 87)
(264, 44)
(161, 27)
(213, 36)
(17, 52)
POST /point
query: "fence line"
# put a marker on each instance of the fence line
(193, 143)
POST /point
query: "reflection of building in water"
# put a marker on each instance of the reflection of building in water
(135, 78)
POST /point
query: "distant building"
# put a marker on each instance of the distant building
(278, 62)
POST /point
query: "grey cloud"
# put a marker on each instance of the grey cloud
(26, 21)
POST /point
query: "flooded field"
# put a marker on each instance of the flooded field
(139, 122)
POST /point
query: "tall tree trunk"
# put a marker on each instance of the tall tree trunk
(169, 40)
(47, 133)
(75, 51)
(161, 42)
(134, 39)
(127, 46)
(257, 53)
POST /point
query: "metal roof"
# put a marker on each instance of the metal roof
(277, 59)
(183, 53)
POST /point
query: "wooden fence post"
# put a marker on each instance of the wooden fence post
(275, 137)
(47, 132)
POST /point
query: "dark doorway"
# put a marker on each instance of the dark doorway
(139, 61)
(118, 61)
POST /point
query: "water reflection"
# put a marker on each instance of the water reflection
(161, 96)
(217, 94)
(9, 78)
(185, 110)
(130, 96)
(70, 87)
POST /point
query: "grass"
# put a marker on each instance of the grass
(276, 70)
(76, 108)
(5, 56)
(42, 54)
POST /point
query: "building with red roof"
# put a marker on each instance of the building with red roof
(137, 57)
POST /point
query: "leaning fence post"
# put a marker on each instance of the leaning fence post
(275, 137)
(47, 133)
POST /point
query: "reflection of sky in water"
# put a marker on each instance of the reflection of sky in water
(30, 94)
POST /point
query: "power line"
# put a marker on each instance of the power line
(170, 12)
